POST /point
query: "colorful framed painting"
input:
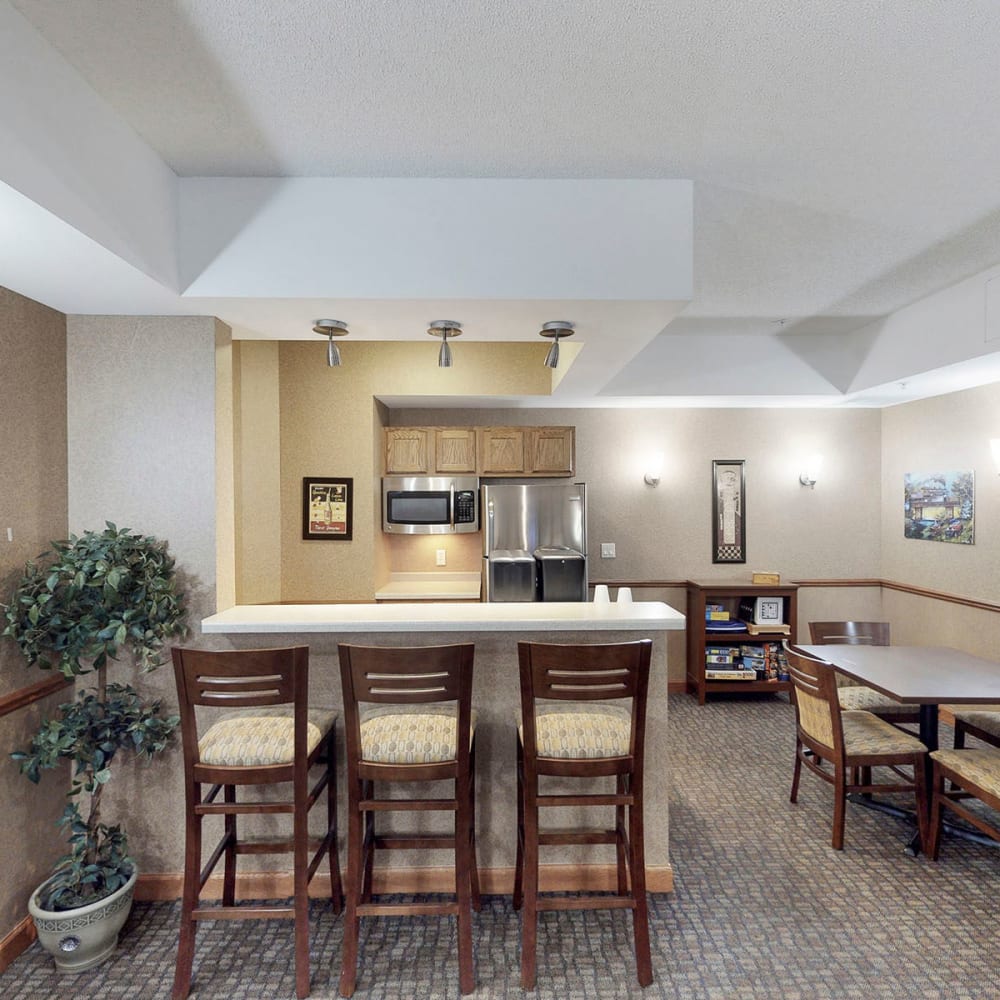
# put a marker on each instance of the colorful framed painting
(940, 506)
(327, 508)
(728, 512)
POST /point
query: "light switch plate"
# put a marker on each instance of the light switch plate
(442, 557)
(607, 550)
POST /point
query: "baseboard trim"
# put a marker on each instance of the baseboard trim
(16, 942)
(493, 881)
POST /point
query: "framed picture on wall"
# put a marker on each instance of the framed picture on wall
(327, 508)
(728, 512)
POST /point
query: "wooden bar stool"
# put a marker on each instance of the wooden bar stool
(408, 732)
(593, 738)
(273, 738)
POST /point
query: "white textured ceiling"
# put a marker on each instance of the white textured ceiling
(844, 152)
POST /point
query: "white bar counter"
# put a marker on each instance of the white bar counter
(495, 630)
(347, 619)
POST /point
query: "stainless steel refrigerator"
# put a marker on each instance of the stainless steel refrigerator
(535, 541)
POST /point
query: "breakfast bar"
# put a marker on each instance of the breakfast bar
(495, 629)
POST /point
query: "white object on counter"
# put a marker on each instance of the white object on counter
(624, 595)
(537, 616)
(601, 594)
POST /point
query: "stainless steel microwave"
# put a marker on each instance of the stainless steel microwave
(430, 505)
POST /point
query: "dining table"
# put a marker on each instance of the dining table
(928, 676)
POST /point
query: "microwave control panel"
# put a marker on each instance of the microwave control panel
(465, 507)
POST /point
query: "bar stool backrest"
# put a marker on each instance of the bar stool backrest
(243, 678)
(406, 676)
(585, 672)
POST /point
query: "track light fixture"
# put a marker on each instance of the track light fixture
(555, 330)
(445, 328)
(331, 328)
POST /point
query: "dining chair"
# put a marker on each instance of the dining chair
(841, 746)
(408, 718)
(970, 774)
(574, 726)
(980, 721)
(268, 735)
(859, 697)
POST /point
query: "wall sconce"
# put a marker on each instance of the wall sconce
(445, 328)
(654, 469)
(995, 448)
(556, 329)
(810, 473)
(331, 328)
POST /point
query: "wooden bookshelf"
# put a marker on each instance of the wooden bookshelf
(729, 595)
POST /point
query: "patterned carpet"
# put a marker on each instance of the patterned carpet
(763, 908)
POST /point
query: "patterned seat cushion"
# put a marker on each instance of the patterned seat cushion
(262, 736)
(985, 717)
(423, 734)
(865, 734)
(859, 698)
(577, 731)
(980, 767)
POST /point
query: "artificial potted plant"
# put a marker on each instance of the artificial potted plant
(89, 599)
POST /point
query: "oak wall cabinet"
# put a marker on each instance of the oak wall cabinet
(482, 451)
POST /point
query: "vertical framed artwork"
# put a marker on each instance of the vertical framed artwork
(728, 511)
(327, 508)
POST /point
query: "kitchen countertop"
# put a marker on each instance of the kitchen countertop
(459, 617)
(430, 587)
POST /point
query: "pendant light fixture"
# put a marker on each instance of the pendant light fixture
(331, 328)
(445, 328)
(555, 330)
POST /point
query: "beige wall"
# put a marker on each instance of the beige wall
(664, 533)
(33, 505)
(142, 453)
(331, 426)
(257, 473)
(947, 433)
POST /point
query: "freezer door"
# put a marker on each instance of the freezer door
(562, 574)
(511, 576)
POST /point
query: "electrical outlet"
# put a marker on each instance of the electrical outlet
(10, 534)
(442, 557)
(607, 550)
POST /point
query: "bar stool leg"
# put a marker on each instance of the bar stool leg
(229, 871)
(640, 913)
(336, 887)
(518, 895)
(529, 918)
(368, 851)
(621, 839)
(300, 835)
(352, 891)
(189, 899)
(477, 901)
(463, 885)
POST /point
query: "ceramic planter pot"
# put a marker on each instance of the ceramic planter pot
(82, 938)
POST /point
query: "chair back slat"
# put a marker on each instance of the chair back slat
(240, 678)
(849, 633)
(585, 672)
(817, 705)
(406, 676)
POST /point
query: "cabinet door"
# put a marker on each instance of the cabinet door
(501, 451)
(551, 451)
(407, 451)
(455, 450)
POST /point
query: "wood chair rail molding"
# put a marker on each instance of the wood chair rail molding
(903, 588)
(25, 696)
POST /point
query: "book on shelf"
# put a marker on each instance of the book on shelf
(735, 674)
(716, 616)
(730, 626)
(720, 658)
